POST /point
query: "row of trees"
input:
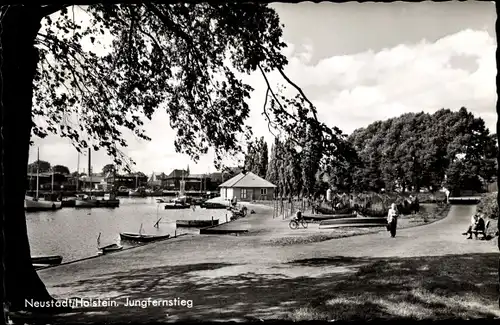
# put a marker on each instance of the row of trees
(257, 157)
(407, 153)
(423, 151)
(45, 166)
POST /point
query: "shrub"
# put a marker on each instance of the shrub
(489, 206)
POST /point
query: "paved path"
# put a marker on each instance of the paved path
(233, 277)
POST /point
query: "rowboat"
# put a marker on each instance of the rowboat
(174, 206)
(353, 222)
(328, 216)
(211, 205)
(325, 210)
(196, 223)
(109, 249)
(134, 236)
(47, 260)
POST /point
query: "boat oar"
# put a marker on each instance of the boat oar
(157, 224)
(99, 240)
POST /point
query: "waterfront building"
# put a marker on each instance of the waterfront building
(247, 187)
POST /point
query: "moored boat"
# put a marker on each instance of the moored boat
(329, 216)
(34, 204)
(47, 260)
(134, 236)
(85, 201)
(196, 223)
(212, 205)
(174, 206)
(39, 204)
(138, 192)
(68, 203)
(109, 249)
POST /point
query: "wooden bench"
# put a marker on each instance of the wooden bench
(483, 232)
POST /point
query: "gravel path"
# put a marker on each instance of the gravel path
(213, 268)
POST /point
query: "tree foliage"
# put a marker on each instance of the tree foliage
(416, 151)
(185, 58)
(42, 166)
(61, 169)
(107, 169)
(256, 158)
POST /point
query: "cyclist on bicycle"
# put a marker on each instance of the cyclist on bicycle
(298, 215)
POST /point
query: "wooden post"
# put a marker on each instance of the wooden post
(212, 220)
(226, 217)
(175, 233)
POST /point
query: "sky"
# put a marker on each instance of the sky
(358, 63)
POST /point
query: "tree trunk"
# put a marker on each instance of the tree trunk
(498, 183)
(18, 66)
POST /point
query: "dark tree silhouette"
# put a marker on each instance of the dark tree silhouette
(60, 169)
(184, 57)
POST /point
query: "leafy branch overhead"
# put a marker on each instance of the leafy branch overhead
(185, 58)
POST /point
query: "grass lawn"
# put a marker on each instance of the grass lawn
(454, 286)
(425, 216)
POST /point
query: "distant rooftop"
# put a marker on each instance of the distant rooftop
(247, 180)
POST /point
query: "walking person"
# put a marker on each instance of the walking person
(392, 220)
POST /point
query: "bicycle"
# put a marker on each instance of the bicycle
(294, 223)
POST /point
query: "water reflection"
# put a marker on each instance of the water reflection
(73, 232)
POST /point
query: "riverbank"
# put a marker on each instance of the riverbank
(239, 278)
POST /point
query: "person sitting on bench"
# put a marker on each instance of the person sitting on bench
(476, 227)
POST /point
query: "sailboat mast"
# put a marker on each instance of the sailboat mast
(90, 175)
(37, 171)
(77, 171)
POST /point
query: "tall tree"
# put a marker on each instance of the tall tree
(174, 55)
(263, 158)
(41, 165)
(109, 168)
(61, 169)
(256, 157)
(272, 167)
(311, 157)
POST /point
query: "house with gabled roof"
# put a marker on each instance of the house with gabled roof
(247, 186)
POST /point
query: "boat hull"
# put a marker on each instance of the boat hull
(97, 203)
(68, 203)
(176, 206)
(47, 260)
(109, 249)
(41, 205)
(141, 237)
(208, 205)
(196, 223)
(319, 217)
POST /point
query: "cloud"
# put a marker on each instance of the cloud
(350, 91)
(353, 90)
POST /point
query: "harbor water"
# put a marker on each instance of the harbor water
(72, 232)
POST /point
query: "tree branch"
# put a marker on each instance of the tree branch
(274, 95)
(267, 115)
(50, 9)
